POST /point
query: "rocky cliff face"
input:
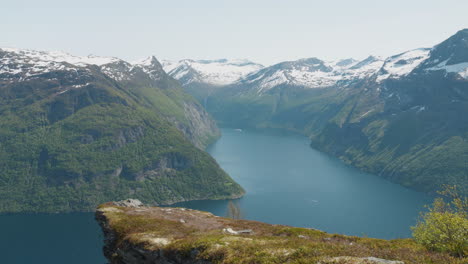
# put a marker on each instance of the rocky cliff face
(200, 128)
(193, 121)
(137, 234)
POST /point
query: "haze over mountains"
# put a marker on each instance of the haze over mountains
(310, 72)
(400, 117)
(83, 130)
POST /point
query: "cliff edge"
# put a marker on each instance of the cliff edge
(137, 234)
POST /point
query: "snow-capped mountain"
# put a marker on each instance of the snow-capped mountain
(150, 66)
(24, 64)
(80, 122)
(401, 117)
(212, 72)
(62, 75)
(402, 64)
(29, 63)
(52, 57)
(316, 73)
(306, 73)
(312, 73)
(450, 56)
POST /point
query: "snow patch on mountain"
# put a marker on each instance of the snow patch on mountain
(76, 86)
(150, 66)
(361, 69)
(22, 64)
(215, 72)
(59, 56)
(402, 64)
(313, 73)
(459, 68)
(148, 61)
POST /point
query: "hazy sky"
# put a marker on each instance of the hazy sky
(266, 31)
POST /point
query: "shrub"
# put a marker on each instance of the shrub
(445, 226)
(234, 211)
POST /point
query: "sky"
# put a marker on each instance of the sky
(264, 31)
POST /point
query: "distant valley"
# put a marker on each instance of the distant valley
(400, 117)
(79, 131)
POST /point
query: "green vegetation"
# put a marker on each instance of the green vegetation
(69, 151)
(445, 227)
(361, 125)
(202, 236)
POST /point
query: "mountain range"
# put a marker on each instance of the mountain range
(78, 131)
(400, 117)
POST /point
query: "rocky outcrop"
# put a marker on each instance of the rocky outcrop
(136, 234)
(129, 203)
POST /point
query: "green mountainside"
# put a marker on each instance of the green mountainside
(402, 118)
(73, 136)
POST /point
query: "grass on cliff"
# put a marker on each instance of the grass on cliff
(267, 244)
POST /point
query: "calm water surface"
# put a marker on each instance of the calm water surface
(286, 181)
(50, 239)
(289, 183)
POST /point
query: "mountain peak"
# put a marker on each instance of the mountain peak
(367, 61)
(450, 55)
(345, 62)
(312, 60)
(454, 50)
(462, 32)
(148, 61)
(402, 64)
(308, 64)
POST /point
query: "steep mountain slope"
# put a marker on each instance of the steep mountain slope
(400, 117)
(76, 131)
(418, 135)
(201, 77)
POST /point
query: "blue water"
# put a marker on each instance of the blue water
(286, 181)
(50, 239)
(289, 183)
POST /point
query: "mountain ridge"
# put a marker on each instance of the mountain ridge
(77, 131)
(398, 117)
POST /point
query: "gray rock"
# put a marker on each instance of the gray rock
(129, 203)
(384, 261)
(356, 260)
